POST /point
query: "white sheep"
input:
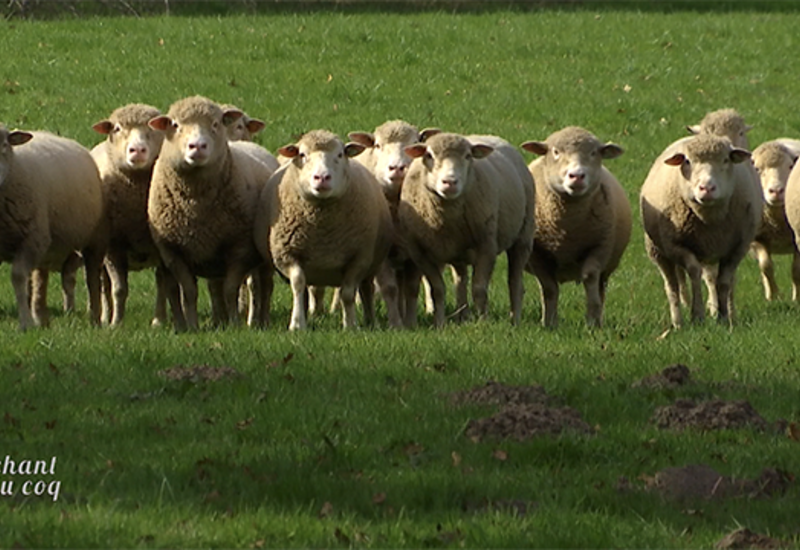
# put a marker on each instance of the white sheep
(726, 123)
(773, 160)
(125, 161)
(244, 127)
(583, 218)
(201, 206)
(700, 208)
(464, 201)
(323, 221)
(53, 208)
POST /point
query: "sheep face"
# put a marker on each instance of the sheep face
(724, 123)
(706, 166)
(9, 140)
(573, 160)
(389, 161)
(132, 143)
(773, 164)
(244, 128)
(447, 160)
(321, 162)
(194, 132)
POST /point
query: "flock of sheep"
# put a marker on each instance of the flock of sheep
(189, 194)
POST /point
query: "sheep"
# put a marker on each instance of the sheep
(307, 227)
(700, 208)
(725, 123)
(201, 206)
(125, 160)
(53, 207)
(583, 219)
(774, 161)
(384, 155)
(464, 201)
(244, 127)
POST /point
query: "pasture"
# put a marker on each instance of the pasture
(244, 438)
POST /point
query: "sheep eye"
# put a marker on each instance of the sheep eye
(556, 153)
(378, 146)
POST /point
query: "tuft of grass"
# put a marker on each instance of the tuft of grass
(349, 439)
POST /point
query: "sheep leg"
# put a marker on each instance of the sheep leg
(710, 275)
(460, 275)
(217, 294)
(172, 291)
(187, 283)
(594, 301)
(117, 266)
(160, 311)
(69, 270)
(411, 278)
(767, 268)
(548, 286)
(672, 275)
(795, 275)
(481, 276)
(232, 283)
(39, 279)
(433, 274)
(297, 280)
(263, 294)
(316, 300)
(21, 280)
(390, 290)
(366, 290)
(517, 256)
(107, 301)
(92, 265)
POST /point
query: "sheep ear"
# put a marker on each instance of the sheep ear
(103, 127)
(676, 159)
(480, 151)
(739, 155)
(693, 129)
(364, 138)
(161, 123)
(19, 137)
(353, 149)
(254, 125)
(611, 151)
(289, 151)
(415, 151)
(427, 133)
(535, 147)
(230, 116)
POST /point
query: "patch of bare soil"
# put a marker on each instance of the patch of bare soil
(708, 415)
(199, 373)
(701, 482)
(524, 421)
(497, 393)
(745, 538)
(673, 376)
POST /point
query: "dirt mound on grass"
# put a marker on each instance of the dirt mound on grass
(497, 393)
(745, 538)
(671, 377)
(199, 373)
(524, 421)
(708, 415)
(701, 482)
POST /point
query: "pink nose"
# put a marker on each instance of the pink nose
(577, 177)
(708, 188)
(398, 169)
(198, 146)
(777, 193)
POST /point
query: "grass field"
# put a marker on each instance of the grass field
(350, 439)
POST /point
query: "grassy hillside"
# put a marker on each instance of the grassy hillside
(351, 439)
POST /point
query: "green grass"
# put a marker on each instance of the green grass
(345, 418)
